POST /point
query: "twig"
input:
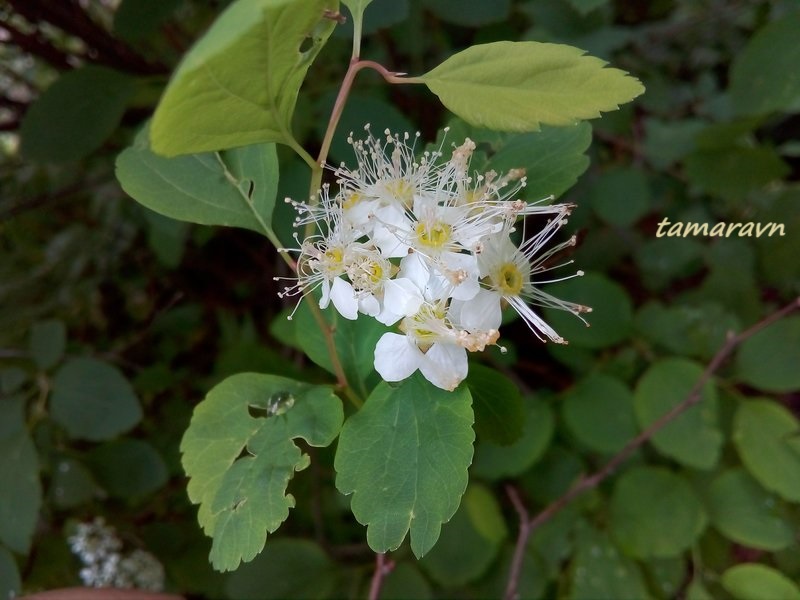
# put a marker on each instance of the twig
(382, 569)
(528, 525)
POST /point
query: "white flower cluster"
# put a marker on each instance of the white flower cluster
(426, 244)
(104, 565)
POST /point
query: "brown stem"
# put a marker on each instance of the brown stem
(382, 569)
(528, 526)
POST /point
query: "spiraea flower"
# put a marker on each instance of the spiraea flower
(423, 244)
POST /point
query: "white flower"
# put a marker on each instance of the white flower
(424, 242)
(432, 344)
(509, 274)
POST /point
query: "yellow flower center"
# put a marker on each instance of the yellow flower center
(351, 200)
(334, 256)
(401, 190)
(433, 235)
(509, 279)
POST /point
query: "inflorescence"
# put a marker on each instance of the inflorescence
(425, 244)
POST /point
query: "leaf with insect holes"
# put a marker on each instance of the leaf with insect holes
(238, 85)
(235, 188)
(239, 455)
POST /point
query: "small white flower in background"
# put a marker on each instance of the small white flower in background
(104, 564)
(422, 242)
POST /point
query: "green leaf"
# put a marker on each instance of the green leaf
(764, 75)
(239, 455)
(20, 502)
(238, 84)
(359, 110)
(762, 432)
(667, 142)
(354, 340)
(357, 7)
(498, 406)
(776, 253)
(553, 158)
(469, 542)
(287, 569)
(769, 360)
(75, 115)
(518, 86)
(47, 343)
(405, 582)
(93, 400)
(497, 462)
(10, 581)
(753, 581)
(584, 7)
(611, 318)
(599, 412)
(600, 571)
(198, 189)
(470, 13)
(166, 238)
(697, 330)
(128, 468)
(694, 438)
(732, 172)
(138, 19)
(655, 513)
(621, 196)
(662, 260)
(71, 485)
(404, 457)
(746, 514)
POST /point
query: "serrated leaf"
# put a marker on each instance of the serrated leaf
(519, 86)
(753, 581)
(47, 342)
(20, 502)
(238, 84)
(239, 455)
(404, 457)
(498, 406)
(93, 400)
(655, 513)
(769, 359)
(196, 188)
(470, 540)
(762, 433)
(764, 76)
(75, 115)
(693, 438)
(747, 514)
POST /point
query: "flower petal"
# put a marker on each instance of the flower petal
(479, 314)
(343, 297)
(402, 296)
(445, 365)
(396, 357)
